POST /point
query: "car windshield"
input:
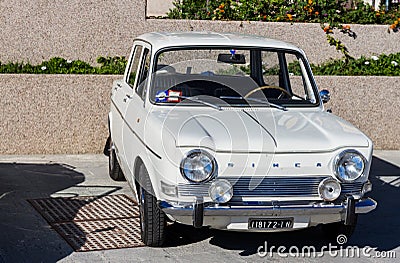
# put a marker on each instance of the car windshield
(232, 76)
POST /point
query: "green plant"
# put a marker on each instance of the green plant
(339, 46)
(331, 13)
(382, 65)
(111, 65)
(395, 26)
(192, 9)
(57, 65)
(282, 10)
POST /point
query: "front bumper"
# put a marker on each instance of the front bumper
(221, 216)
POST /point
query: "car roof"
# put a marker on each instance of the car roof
(160, 40)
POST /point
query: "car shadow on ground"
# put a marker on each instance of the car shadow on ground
(377, 229)
(25, 234)
(27, 237)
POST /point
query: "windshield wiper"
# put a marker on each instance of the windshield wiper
(195, 99)
(273, 105)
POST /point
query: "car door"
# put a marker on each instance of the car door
(136, 112)
(121, 93)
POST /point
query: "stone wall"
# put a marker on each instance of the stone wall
(370, 103)
(52, 114)
(85, 29)
(68, 113)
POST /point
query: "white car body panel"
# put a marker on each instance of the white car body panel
(246, 142)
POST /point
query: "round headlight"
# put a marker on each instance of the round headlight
(349, 165)
(198, 166)
(329, 189)
(221, 191)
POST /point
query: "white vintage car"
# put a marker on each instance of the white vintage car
(229, 131)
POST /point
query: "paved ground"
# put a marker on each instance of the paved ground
(26, 237)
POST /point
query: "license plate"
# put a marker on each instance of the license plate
(265, 223)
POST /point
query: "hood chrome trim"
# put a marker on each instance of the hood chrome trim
(262, 126)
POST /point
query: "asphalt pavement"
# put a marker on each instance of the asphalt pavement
(26, 237)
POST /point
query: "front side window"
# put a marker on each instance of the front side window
(232, 76)
(285, 77)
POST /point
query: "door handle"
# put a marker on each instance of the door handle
(127, 97)
(118, 86)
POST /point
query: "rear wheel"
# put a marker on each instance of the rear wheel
(152, 218)
(114, 169)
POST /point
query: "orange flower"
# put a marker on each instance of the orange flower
(310, 2)
(265, 17)
(392, 26)
(222, 11)
(377, 14)
(398, 19)
(310, 10)
(290, 16)
(396, 22)
(221, 6)
(316, 13)
(326, 28)
(346, 27)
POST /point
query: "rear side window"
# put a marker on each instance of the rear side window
(134, 66)
(143, 74)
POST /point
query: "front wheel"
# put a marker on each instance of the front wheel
(152, 219)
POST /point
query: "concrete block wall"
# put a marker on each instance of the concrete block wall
(51, 114)
(68, 113)
(369, 103)
(85, 29)
(158, 8)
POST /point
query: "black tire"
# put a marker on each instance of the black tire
(153, 220)
(106, 150)
(114, 170)
(333, 230)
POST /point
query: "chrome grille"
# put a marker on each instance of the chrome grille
(269, 186)
(276, 186)
(193, 189)
(348, 188)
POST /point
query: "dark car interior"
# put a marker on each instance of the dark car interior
(221, 86)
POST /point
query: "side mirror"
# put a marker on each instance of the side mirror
(325, 95)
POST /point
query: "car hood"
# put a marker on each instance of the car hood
(262, 131)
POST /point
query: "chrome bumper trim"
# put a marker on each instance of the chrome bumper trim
(362, 206)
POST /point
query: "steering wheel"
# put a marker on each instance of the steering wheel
(269, 87)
